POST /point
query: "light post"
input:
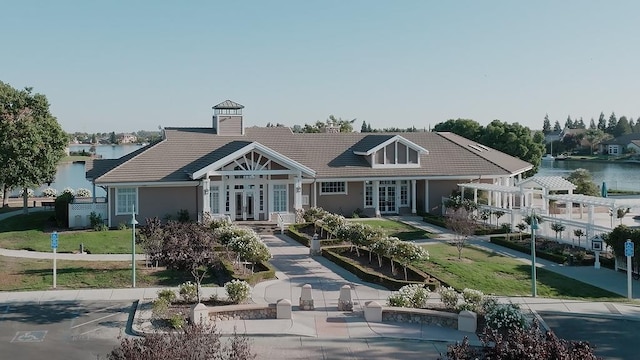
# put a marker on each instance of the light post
(133, 245)
(534, 227)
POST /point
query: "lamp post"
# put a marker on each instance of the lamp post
(534, 227)
(133, 245)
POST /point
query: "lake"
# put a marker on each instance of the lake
(618, 176)
(72, 175)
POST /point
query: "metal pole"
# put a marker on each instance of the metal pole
(55, 276)
(133, 245)
(534, 227)
(629, 271)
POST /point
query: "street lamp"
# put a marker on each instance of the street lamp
(534, 227)
(134, 222)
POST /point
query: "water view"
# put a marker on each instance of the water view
(72, 175)
(618, 176)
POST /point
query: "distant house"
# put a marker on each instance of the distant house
(265, 173)
(127, 138)
(621, 144)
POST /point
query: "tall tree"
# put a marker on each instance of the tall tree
(546, 125)
(602, 122)
(632, 124)
(622, 127)
(31, 140)
(515, 140)
(557, 126)
(611, 124)
(569, 123)
(363, 128)
(466, 128)
(580, 124)
(592, 124)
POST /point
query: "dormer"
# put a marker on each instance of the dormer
(388, 151)
(227, 118)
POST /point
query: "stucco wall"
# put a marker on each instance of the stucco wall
(160, 201)
(229, 125)
(438, 189)
(343, 204)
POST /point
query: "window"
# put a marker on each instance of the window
(261, 198)
(280, 197)
(215, 199)
(368, 194)
(126, 198)
(333, 187)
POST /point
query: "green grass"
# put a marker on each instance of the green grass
(30, 274)
(72, 158)
(498, 275)
(395, 228)
(29, 232)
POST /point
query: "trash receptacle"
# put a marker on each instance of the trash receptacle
(81, 248)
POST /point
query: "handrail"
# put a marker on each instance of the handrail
(281, 223)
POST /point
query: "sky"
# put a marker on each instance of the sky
(136, 65)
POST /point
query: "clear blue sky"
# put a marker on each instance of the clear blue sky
(131, 65)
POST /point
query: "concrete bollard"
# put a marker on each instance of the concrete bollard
(306, 300)
(344, 301)
(200, 314)
(283, 309)
(315, 246)
(373, 311)
(467, 321)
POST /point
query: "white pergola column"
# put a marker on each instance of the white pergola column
(569, 209)
(413, 197)
(590, 223)
(376, 197)
(206, 196)
(297, 192)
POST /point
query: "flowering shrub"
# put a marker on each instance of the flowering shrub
(505, 317)
(488, 303)
(30, 193)
(49, 192)
(449, 297)
(237, 291)
(188, 291)
(413, 295)
(167, 294)
(472, 297)
(68, 190)
(82, 192)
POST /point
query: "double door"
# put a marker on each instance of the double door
(245, 205)
(387, 202)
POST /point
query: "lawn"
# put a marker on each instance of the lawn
(498, 275)
(32, 232)
(395, 228)
(30, 274)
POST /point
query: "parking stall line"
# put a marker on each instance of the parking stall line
(95, 320)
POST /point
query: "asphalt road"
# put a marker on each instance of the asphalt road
(613, 338)
(64, 330)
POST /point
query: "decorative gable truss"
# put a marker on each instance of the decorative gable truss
(394, 152)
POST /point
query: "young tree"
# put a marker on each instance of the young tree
(406, 253)
(249, 247)
(461, 222)
(193, 341)
(498, 214)
(621, 212)
(558, 228)
(485, 214)
(31, 140)
(190, 247)
(521, 227)
(579, 234)
(381, 247)
(151, 239)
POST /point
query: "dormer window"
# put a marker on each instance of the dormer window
(390, 151)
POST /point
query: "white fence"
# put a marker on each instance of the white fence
(79, 213)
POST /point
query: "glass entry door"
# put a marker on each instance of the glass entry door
(244, 205)
(387, 197)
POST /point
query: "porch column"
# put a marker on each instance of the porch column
(222, 197)
(376, 197)
(489, 202)
(206, 198)
(475, 195)
(590, 223)
(315, 194)
(93, 184)
(427, 206)
(413, 197)
(109, 211)
(297, 188)
(270, 199)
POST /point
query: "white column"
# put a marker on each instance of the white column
(475, 196)
(590, 223)
(270, 198)
(315, 194)
(206, 196)
(413, 197)
(376, 198)
(222, 197)
(570, 209)
(297, 189)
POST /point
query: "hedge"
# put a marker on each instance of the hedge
(292, 232)
(435, 220)
(264, 271)
(333, 255)
(498, 240)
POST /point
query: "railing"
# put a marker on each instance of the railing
(80, 213)
(284, 219)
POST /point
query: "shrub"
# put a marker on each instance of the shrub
(82, 192)
(466, 306)
(472, 297)
(49, 192)
(488, 302)
(177, 320)
(62, 209)
(412, 295)
(183, 215)
(449, 297)
(238, 291)
(68, 190)
(160, 308)
(97, 223)
(122, 226)
(505, 317)
(188, 292)
(168, 295)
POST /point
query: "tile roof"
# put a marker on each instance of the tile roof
(228, 104)
(331, 155)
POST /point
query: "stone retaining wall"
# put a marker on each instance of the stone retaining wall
(243, 312)
(420, 316)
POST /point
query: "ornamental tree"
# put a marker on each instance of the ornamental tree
(151, 239)
(31, 140)
(189, 246)
(406, 253)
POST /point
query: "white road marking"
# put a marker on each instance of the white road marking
(95, 320)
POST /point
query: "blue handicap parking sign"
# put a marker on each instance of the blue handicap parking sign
(628, 248)
(54, 240)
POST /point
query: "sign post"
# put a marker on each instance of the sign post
(534, 227)
(628, 252)
(54, 246)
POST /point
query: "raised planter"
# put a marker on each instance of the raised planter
(243, 312)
